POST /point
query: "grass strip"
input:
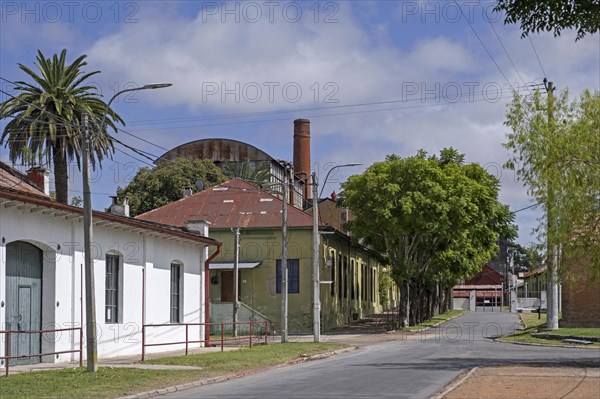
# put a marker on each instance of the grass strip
(436, 320)
(114, 382)
(533, 325)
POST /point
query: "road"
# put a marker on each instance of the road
(417, 367)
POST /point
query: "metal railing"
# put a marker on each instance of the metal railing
(8, 334)
(207, 340)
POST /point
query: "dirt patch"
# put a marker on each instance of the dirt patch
(531, 382)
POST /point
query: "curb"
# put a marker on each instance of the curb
(454, 384)
(233, 376)
(436, 324)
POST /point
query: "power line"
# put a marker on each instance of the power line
(536, 55)
(317, 115)
(447, 100)
(503, 47)
(481, 41)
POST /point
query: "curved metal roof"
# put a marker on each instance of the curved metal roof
(217, 149)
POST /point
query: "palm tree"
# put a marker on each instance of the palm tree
(46, 118)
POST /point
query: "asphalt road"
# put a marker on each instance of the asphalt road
(417, 367)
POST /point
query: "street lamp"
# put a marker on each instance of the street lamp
(316, 244)
(90, 294)
(336, 167)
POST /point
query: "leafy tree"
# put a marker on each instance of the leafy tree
(552, 15)
(46, 117)
(163, 184)
(435, 218)
(258, 173)
(555, 149)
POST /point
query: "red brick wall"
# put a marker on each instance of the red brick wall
(580, 298)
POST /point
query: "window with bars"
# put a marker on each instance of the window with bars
(293, 276)
(112, 287)
(175, 293)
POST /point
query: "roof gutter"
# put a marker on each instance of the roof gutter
(207, 294)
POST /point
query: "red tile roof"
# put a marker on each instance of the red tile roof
(235, 203)
(11, 178)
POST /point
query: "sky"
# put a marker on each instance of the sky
(374, 77)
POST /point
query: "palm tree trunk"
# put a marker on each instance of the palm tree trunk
(61, 178)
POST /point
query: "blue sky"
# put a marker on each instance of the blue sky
(374, 77)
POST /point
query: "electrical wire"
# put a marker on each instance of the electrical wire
(503, 47)
(482, 44)
(537, 56)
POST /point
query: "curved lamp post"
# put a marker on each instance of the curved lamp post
(336, 167)
(90, 294)
(316, 244)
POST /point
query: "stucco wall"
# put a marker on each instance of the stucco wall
(258, 285)
(62, 281)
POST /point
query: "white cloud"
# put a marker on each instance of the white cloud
(361, 56)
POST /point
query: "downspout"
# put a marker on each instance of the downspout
(207, 294)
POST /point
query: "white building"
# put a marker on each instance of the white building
(145, 273)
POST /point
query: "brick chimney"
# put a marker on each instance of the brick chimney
(40, 176)
(302, 153)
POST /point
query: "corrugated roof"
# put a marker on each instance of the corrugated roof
(11, 178)
(235, 203)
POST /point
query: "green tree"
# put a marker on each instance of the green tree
(152, 188)
(552, 15)
(555, 149)
(436, 219)
(253, 171)
(46, 117)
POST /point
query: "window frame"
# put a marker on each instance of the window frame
(175, 304)
(113, 289)
(293, 276)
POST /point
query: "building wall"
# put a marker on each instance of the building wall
(62, 303)
(258, 285)
(580, 297)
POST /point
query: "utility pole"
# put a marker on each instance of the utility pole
(316, 277)
(284, 266)
(90, 291)
(236, 263)
(90, 300)
(552, 250)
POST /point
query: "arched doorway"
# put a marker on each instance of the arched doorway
(24, 299)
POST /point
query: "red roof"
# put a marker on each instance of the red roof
(12, 179)
(235, 203)
(486, 276)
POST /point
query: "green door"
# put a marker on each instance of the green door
(24, 300)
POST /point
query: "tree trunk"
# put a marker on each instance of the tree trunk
(412, 314)
(61, 178)
(404, 303)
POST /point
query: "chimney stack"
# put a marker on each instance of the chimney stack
(119, 209)
(188, 192)
(198, 226)
(302, 153)
(40, 176)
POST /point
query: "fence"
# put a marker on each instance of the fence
(263, 329)
(7, 346)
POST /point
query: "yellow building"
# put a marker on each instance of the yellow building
(349, 272)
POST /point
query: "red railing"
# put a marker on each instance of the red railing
(207, 339)
(8, 333)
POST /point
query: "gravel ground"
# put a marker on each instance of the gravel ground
(524, 382)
